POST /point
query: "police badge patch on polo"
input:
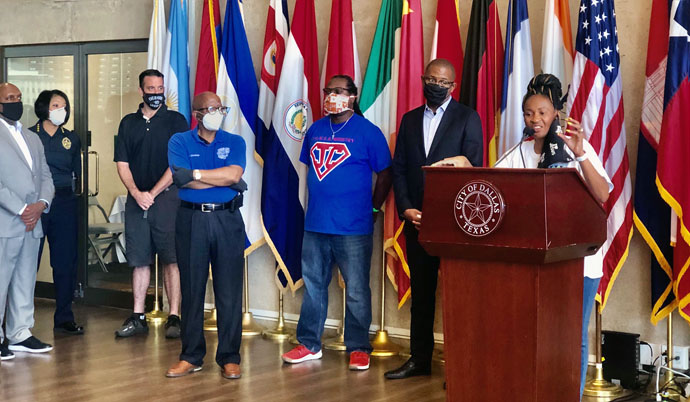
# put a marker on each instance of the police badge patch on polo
(223, 153)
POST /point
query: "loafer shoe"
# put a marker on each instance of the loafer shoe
(409, 369)
(231, 371)
(181, 369)
(70, 328)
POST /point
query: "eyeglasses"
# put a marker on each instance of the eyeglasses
(434, 81)
(336, 90)
(212, 109)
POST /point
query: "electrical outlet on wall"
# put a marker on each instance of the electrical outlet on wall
(682, 354)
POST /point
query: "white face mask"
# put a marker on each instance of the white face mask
(213, 121)
(57, 116)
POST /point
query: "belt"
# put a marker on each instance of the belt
(232, 205)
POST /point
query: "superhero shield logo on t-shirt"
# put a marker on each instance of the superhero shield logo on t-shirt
(326, 156)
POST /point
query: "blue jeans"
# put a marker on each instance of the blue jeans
(589, 290)
(352, 253)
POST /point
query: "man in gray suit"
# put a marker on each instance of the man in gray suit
(26, 190)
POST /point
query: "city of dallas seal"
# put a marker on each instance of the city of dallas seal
(479, 208)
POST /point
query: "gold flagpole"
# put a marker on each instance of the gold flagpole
(598, 387)
(382, 344)
(672, 390)
(156, 316)
(249, 326)
(280, 332)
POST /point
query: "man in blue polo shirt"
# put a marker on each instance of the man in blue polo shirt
(342, 150)
(206, 163)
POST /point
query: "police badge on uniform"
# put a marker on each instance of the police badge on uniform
(223, 152)
(66, 143)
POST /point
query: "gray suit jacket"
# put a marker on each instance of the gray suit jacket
(19, 184)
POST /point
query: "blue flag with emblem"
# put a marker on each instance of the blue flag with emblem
(176, 61)
(238, 89)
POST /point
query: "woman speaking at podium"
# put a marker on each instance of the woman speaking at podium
(547, 144)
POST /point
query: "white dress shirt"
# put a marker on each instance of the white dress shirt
(16, 132)
(431, 122)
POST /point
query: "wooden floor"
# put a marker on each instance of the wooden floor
(98, 367)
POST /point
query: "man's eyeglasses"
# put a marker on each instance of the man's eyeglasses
(336, 90)
(434, 81)
(212, 109)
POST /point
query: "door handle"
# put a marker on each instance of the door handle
(81, 174)
(97, 173)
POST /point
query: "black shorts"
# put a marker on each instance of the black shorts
(154, 233)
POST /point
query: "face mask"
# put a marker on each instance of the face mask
(154, 101)
(13, 110)
(57, 116)
(212, 122)
(336, 104)
(435, 94)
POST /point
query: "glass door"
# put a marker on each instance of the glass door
(101, 80)
(33, 70)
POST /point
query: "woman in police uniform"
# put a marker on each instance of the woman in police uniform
(62, 148)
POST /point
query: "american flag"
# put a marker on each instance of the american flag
(596, 100)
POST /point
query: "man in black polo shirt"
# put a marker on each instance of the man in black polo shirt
(141, 154)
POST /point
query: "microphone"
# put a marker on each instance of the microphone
(527, 132)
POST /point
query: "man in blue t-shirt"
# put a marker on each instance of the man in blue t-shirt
(342, 150)
(207, 164)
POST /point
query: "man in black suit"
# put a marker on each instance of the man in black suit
(441, 132)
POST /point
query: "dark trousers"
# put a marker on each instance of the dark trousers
(423, 279)
(216, 238)
(60, 227)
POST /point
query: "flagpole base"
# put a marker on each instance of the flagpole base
(156, 316)
(335, 343)
(293, 340)
(438, 356)
(600, 388)
(249, 326)
(383, 346)
(672, 391)
(211, 323)
(279, 333)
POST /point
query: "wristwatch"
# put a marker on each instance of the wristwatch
(196, 174)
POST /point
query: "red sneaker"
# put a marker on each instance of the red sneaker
(300, 354)
(359, 361)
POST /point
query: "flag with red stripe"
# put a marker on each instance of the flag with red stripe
(673, 164)
(596, 100)
(341, 50)
(447, 43)
(482, 75)
(208, 58)
(652, 216)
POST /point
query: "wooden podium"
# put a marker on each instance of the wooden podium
(511, 243)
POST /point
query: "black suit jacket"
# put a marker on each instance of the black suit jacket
(459, 133)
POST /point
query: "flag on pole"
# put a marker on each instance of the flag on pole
(557, 51)
(297, 105)
(157, 36)
(673, 164)
(596, 100)
(652, 216)
(209, 45)
(482, 73)
(341, 50)
(175, 62)
(237, 88)
(277, 29)
(378, 102)
(192, 41)
(447, 43)
(518, 69)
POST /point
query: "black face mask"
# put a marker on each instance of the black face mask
(13, 110)
(435, 94)
(154, 101)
